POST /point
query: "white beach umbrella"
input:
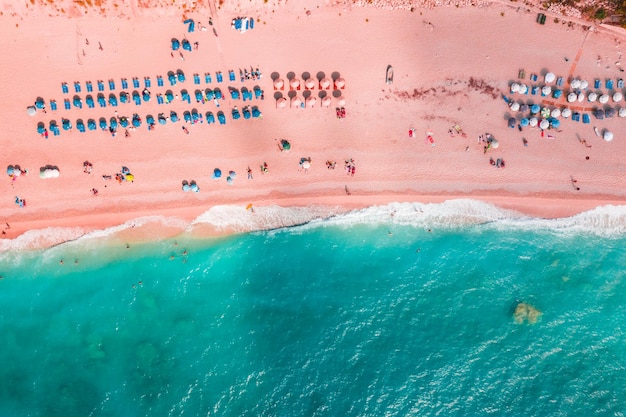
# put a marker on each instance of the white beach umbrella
(281, 103)
(608, 136)
(523, 89)
(546, 90)
(340, 82)
(306, 165)
(621, 112)
(309, 83)
(604, 98)
(325, 83)
(550, 77)
(297, 102)
(581, 97)
(341, 101)
(575, 84)
(571, 97)
(494, 144)
(566, 112)
(584, 84)
(514, 88)
(592, 97)
(533, 121)
(278, 83)
(326, 101)
(515, 106)
(617, 97)
(311, 101)
(555, 113)
(31, 110)
(294, 83)
(544, 124)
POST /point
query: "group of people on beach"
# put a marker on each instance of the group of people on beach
(341, 112)
(350, 167)
(253, 74)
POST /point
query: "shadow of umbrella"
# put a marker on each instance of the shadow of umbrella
(335, 75)
(291, 75)
(306, 75)
(278, 95)
(275, 76)
(336, 93)
(322, 94)
(320, 75)
(306, 94)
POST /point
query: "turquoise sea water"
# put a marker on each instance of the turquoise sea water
(377, 313)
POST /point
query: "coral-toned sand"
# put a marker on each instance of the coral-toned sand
(451, 66)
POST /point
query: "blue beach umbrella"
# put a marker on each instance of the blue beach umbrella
(39, 103)
(91, 124)
(173, 116)
(256, 112)
(41, 128)
(194, 187)
(162, 119)
(113, 123)
(186, 187)
(80, 125)
(210, 118)
(180, 75)
(124, 121)
(246, 113)
(195, 117)
(124, 97)
(67, 125)
(524, 122)
(146, 95)
(187, 116)
(258, 92)
(150, 119)
(512, 122)
(172, 79)
(103, 123)
(10, 170)
(217, 93)
(221, 117)
(235, 113)
(175, 44)
(209, 94)
(534, 109)
(186, 45)
(136, 120)
(198, 95)
(217, 173)
(555, 123)
(78, 102)
(234, 93)
(169, 95)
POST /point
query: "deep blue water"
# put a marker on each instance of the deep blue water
(393, 318)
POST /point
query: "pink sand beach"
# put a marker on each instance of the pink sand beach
(421, 137)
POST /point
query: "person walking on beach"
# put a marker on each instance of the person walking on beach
(574, 183)
(249, 173)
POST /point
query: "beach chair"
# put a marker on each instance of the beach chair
(586, 119)
(191, 25)
(64, 88)
(221, 117)
(576, 116)
(112, 100)
(181, 76)
(534, 90)
(78, 103)
(136, 98)
(67, 104)
(559, 82)
(236, 23)
(219, 77)
(89, 101)
(235, 113)
(196, 78)
(80, 125)
(596, 83)
(111, 85)
(77, 87)
(210, 118)
(91, 124)
(100, 85)
(184, 95)
(172, 79)
(101, 100)
(147, 82)
(533, 77)
(159, 81)
(124, 84)
(231, 75)
(89, 86)
(159, 99)
(251, 23)
(207, 78)
(609, 84)
(53, 105)
(258, 92)
(135, 82)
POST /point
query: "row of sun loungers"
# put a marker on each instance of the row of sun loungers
(243, 24)
(200, 95)
(172, 77)
(189, 116)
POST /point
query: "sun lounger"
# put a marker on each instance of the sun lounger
(210, 118)
(89, 86)
(207, 78)
(559, 82)
(172, 79)
(78, 103)
(124, 84)
(147, 82)
(199, 96)
(136, 98)
(77, 87)
(576, 116)
(251, 23)
(89, 101)
(184, 95)
(67, 104)
(219, 77)
(100, 85)
(80, 125)
(135, 82)
(231, 75)
(159, 81)
(64, 88)
(586, 118)
(112, 100)
(609, 84)
(181, 76)
(101, 101)
(111, 85)
(196, 79)
(53, 105)
(258, 92)
(534, 90)
(596, 83)
(221, 117)
(236, 23)
(159, 99)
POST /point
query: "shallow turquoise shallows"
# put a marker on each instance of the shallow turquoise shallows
(327, 319)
